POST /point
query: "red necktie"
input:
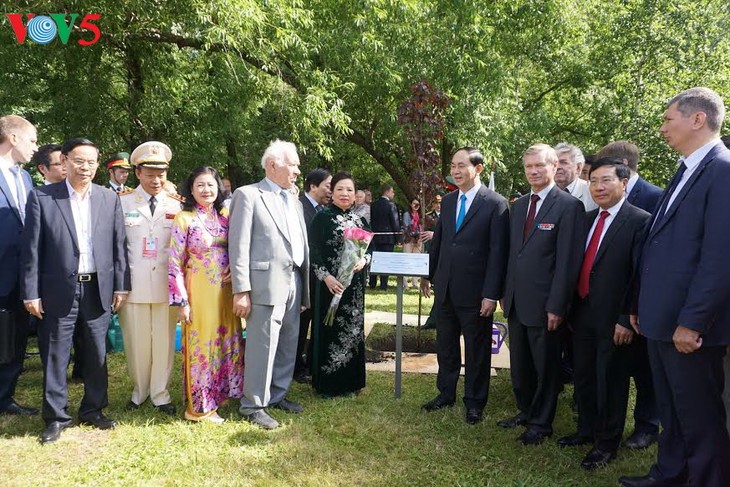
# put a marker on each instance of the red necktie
(590, 256)
(530, 221)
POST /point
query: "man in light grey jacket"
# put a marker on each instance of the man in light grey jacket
(270, 271)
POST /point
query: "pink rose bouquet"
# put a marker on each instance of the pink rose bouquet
(356, 244)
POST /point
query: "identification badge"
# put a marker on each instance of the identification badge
(149, 247)
(546, 226)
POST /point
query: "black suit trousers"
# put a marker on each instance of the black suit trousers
(56, 337)
(300, 365)
(646, 418)
(535, 371)
(601, 380)
(694, 445)
(454, 321)
(10, 372)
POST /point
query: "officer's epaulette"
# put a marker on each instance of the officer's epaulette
(176, 196)
(126, 192)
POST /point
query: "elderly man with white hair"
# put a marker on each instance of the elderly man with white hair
(570, 163)
(269, 261)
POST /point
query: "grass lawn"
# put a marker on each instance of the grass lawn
(370, 439)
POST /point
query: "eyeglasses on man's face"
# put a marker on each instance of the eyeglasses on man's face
(78, 162)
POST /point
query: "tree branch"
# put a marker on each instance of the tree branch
(284, 70)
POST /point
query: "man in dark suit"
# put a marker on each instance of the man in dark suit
(48, 162)
(75, 273)
(601, 328)
(467, 260)
(17, 145)
(639, 192)
(384, 219)
(315, 197)
(546, 248)
(644, 195)
(683, 296)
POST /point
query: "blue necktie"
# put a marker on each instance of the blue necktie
(462, 212)
(20, 189)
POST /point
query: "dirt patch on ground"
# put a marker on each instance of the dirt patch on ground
(380, 342)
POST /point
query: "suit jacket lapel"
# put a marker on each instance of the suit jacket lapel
(544, 209)
(9, 196)
(685, 189)
(475, 206)
(274, 208)
(161, 208)
(448, 215)
(95, 200)
(63, 201)
(612, 231)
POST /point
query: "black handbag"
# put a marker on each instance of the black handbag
(7, 336)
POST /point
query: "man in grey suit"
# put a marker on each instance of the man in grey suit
(270, 272)
(75, 274)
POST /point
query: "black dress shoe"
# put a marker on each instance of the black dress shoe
(288, 406)
(303, 378)
(473, 416)
(15, 409)
(168, 409)
(261, 418)
(640, 441)
(532, 437)
(53, 431)
(518, 420)
(597, 458)
(131, 406)
(574, 440)
(98, 420)
(436, 403)
(643, 481)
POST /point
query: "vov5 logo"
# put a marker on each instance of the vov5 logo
(43, 29)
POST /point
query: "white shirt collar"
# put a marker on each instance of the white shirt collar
(615, 208)
(158, 197)
(473, 191)
(72, 192)
(274, 187)
(632, 182)
(544, 191)
(311, 200)
(696, 157)
(571, 186)
(7, 163)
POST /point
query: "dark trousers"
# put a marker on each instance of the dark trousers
(383, 278)
(601, 383)
(301, 365)
(56, 336)
(535, 369)
(454, 321)
(694, 446)
(646, 417)
(10, 372)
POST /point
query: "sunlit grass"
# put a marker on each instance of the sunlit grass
(369, 439)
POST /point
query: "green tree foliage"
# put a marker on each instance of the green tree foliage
(218, 79)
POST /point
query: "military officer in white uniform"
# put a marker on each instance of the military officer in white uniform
(147, 322)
